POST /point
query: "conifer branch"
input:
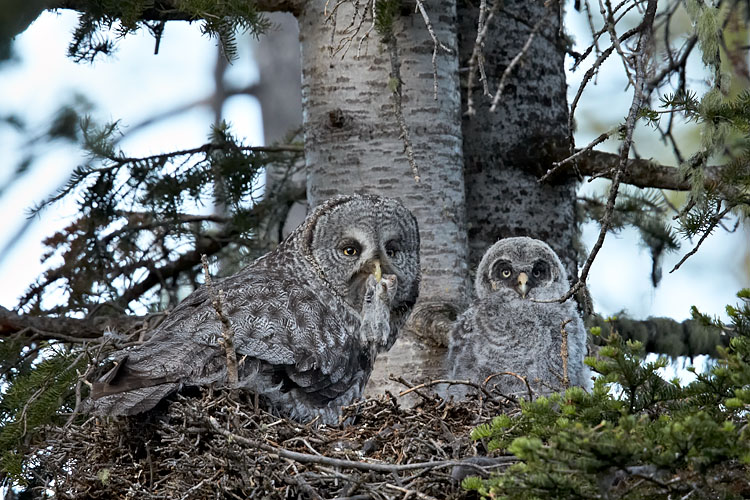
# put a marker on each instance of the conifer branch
(169, 10)
(61, 328)
(185, 262)
(715, 220)
(119, 161)
(665, 335)
(640, 172)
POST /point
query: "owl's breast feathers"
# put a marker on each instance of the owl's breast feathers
(290, 337)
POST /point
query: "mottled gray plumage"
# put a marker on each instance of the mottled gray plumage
(308, 318)
(509, 329)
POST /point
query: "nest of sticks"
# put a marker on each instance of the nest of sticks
(221, 444)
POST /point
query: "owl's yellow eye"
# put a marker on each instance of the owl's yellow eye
(349, 251)
(390, 253)
(506, 273)
(536, 273)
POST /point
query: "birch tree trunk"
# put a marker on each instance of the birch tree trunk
(506, 151)
(353, 143)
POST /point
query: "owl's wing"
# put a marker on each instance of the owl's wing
(286, 337)
(459, 350)
(179, 352)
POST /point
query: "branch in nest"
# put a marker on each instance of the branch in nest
(338, 462)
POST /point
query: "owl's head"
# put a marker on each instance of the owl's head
(349, 238)
(523, 265)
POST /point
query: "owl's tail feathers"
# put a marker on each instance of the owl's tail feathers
(124, 392)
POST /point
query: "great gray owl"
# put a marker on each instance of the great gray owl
(506, 329)
(308, 317)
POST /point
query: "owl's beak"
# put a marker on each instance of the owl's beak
(523, 284)
(376, 271)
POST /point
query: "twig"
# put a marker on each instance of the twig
(587, 78)
(403, 381)
(519, 377)
(408, 493)
(714, 221)
(435, 44)
(367, 33)
(476, 62)
(638, 97)
(513, 63)
(564, 353)
(556, 165)
(227, 334)
(396, 88)
(609, 24)
(449, 382)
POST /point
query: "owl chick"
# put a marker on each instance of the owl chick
(308, 318)
(509, 327)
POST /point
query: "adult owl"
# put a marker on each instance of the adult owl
(308, 318)
(514, 325)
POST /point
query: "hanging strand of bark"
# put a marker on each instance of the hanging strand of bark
(396, 86)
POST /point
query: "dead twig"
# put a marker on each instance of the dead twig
(564, 353)
(513, 374)
(227, 333)
(396, 86)
(513, 63)
(435, 44)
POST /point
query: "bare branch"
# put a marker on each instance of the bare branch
(590, 146)
(435, 44)
(61, 328)
(476, 62)
(396, 89)
(643, 50)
